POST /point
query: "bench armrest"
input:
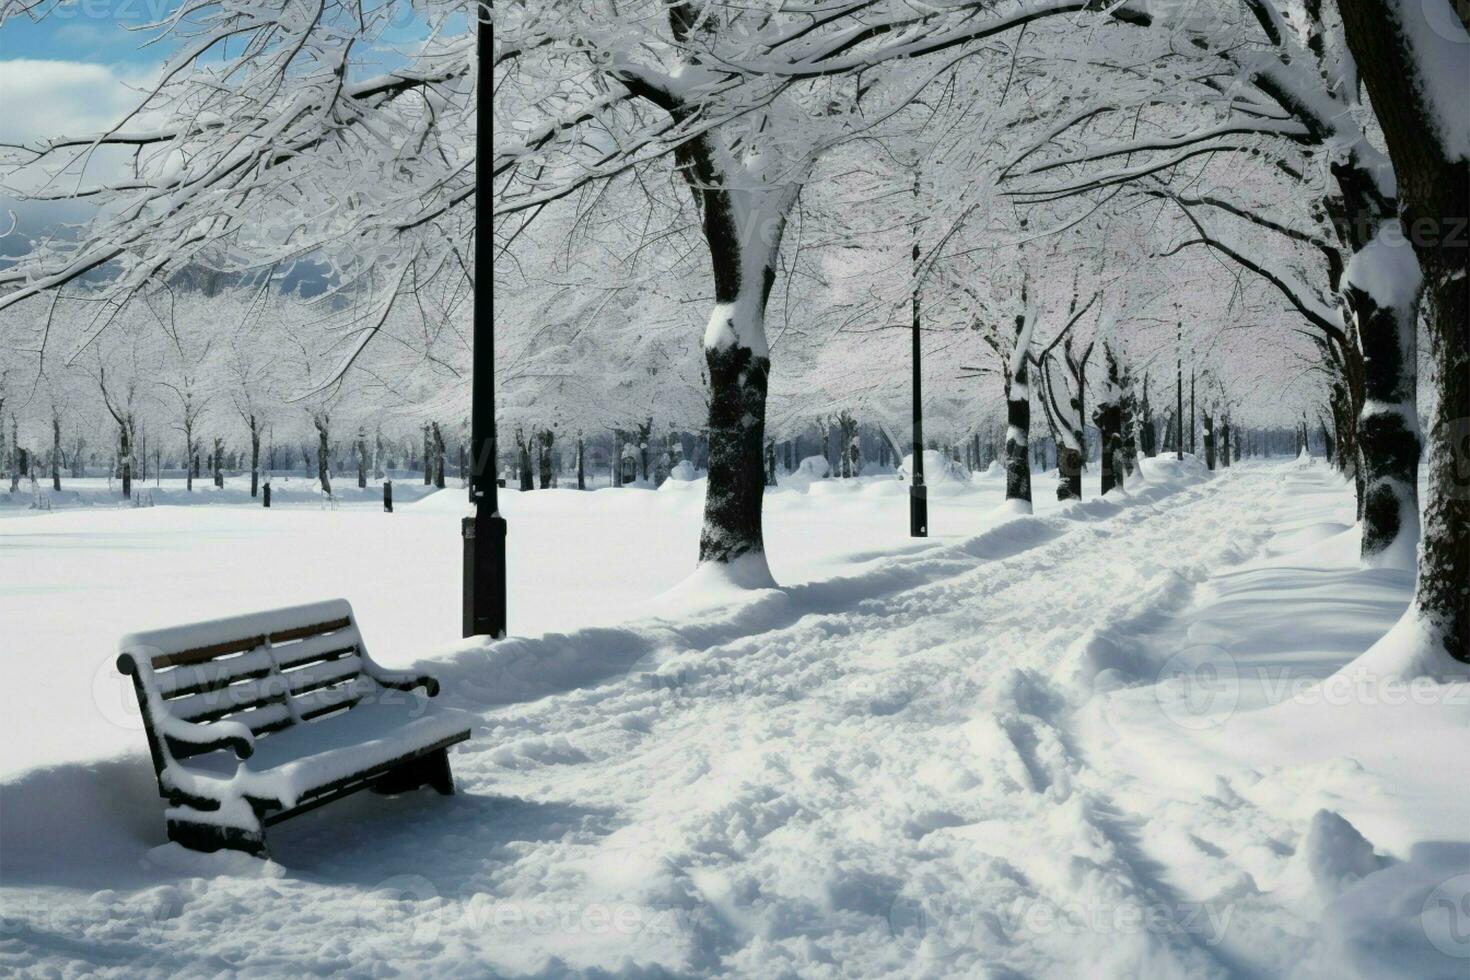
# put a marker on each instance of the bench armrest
(403, 680)
(218, 735)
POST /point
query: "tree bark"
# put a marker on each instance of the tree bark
(1209, 439)
(1108, 417)
(438, 436)
(323, 452)
(737, 416)
(1018, 412)
(362, 458)
(1434, 198)
(254, 457)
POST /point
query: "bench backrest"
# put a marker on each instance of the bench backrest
(266, 670)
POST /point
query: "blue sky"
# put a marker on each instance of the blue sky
(72, 73)
(92, 31)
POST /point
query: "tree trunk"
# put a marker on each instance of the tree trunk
(737, 421)
(219, 461)
(544, 443)
(1018, 413)
(1108, 417)
(528, 479)
(1388, 426)
(645, 432)
(254, 458)
(125, 453)
(581, 463)
(1434, 195)
(438, 455)
(362, 458)
(1209, 439)
(323, 454)
(428, 457)
(55, 452)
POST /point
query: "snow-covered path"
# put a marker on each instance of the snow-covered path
(882, 783)
(875, 775)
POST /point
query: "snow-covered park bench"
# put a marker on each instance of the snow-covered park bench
(257, 718)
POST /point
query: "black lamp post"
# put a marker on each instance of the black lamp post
(918, 493)
(1179, 389)
(484, 534)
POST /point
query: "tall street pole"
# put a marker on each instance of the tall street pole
(484, 534)
(1179, 391)
(918, 493)
(1191, 401)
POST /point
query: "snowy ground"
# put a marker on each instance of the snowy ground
(1101, 741)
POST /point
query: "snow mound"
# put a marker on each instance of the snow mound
(940, 472)
(1331, 857)
(1407, 652)
(681, 472)
(810, 470)
(1168, 469)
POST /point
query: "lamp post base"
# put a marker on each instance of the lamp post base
(918, 511)
(484, 556)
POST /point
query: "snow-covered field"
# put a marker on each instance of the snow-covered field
(1107, 740)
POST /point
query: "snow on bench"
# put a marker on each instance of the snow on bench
(254, 719)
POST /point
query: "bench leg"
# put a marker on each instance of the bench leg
(427, 770)
(213, 837)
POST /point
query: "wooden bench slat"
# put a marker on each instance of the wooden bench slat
(197, 655)
(322, 674)
(302, 632)
(312, 651)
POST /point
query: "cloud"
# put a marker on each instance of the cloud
(54, 98)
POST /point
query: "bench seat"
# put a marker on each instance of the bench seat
(293, 765)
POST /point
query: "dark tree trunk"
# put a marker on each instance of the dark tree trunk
(1434, 194)
(362, 459)
(323, 454)
(1108, 417)
(125, 453)
(770, 463)
(219, 462)
(544, 443)
(1388, 436)
(428, 458)
(56, 452)
(1209, 439)
(1224, 440)
(1128, 411)
(254, 458)
(1018, 413)
(581, 464)
(523, 447)
(737, 422)
(438, 437)
(1147, 432)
